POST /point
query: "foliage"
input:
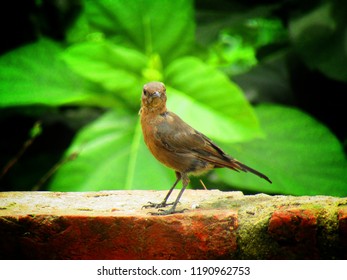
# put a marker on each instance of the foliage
(330, 57)
(117, 46)
(300, 155)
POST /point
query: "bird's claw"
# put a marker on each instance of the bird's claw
(162, 212)
(156, 205)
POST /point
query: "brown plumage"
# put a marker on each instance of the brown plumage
(179, 146)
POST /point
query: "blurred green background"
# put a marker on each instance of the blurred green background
(266, 80)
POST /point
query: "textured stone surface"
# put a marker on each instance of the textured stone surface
(342, 217)
(216, 225)
(295, 230)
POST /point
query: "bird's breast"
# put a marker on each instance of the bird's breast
(154, 144)
(160, 150)
(153, 129)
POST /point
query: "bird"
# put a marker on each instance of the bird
(179, 146)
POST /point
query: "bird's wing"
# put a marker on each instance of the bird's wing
(177, 136)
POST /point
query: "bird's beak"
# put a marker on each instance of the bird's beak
(156, 94)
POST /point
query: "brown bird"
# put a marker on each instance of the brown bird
(179, 146)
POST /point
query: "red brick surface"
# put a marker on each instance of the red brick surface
(184, 236)
(295, 230)
(342, 217)
(216, 225)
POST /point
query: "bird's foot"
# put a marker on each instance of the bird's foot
(162, 212)
(156, 205)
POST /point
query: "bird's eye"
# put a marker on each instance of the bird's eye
(145, 92)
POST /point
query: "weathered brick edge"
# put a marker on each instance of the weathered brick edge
(226, 225)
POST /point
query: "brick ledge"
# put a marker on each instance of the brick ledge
(218, 225)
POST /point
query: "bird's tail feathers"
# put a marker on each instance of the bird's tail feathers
(233, 164)
(246, 168)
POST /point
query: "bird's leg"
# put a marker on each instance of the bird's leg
(172, 210)
(164, 202)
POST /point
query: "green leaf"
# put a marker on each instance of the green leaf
(162, 26)
(235, 50)
(36, 130)
(33, 74)
(209, 101)
(116, 69)
(319, 36)
(112, 155)
(300, 156)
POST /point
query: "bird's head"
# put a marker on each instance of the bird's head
(154, 96)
